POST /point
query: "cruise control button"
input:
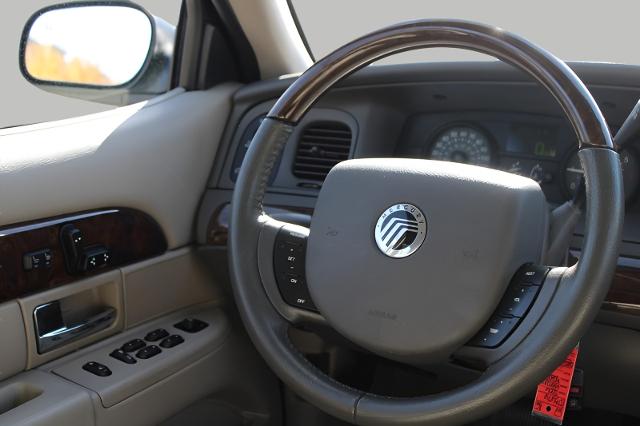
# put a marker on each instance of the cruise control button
(289, 255)
(298, 297)
(148, 352)
(97, 369)
(293, 279)
(289, 247)
(518, 300)
(121, 355)
(290, 262)
(292, 237)
(133, 345)
(171, 341)
(156, 335)
(494, 332)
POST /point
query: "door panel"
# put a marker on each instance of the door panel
(101, 290)
(13, 336)
(155, 159)
(154, 156)
(37, 398)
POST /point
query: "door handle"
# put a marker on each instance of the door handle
(52, 331)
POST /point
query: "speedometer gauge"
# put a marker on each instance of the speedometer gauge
(462, 144)
(630, 172)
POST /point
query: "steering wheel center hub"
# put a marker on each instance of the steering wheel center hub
(418, 280)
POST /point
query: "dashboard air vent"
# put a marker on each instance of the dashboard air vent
(322, 145)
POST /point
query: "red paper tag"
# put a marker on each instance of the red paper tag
(553, 392)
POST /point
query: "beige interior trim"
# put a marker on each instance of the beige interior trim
(128, 379)
(55, 401)
(176, 280)
(105, 288)
(14, 341)
(273, 35)
(154, 156)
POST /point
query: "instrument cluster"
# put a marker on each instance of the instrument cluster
(539, 152)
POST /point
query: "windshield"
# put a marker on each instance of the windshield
(594, 31)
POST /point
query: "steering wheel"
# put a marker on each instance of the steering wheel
(410, 259)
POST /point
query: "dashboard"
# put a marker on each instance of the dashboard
(539, 147)
(486, 113)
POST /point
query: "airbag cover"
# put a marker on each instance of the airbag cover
(481, 225)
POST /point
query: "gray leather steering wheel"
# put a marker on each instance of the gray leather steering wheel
(481, 226)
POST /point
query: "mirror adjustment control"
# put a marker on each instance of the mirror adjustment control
(171, 341)
(97, 369)
(494, 332)
(133, 345)
(156, 335)
(148, 352)
(121, 355)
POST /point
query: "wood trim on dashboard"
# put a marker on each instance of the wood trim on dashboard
(129, 236)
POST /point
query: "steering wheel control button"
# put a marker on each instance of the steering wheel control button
(155, 335)
(171, 341)
(121, 355)
(97, 369)
(289, 253)
(191, 325)
(518, 300)
(133, 345)
(532, 274)
(400, 230)
(494, 332)
(148, 352)
(289, 266)
(298, 297)
(294, 280)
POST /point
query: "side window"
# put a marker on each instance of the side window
(81, 58)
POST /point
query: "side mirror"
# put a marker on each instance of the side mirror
(109, 52)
